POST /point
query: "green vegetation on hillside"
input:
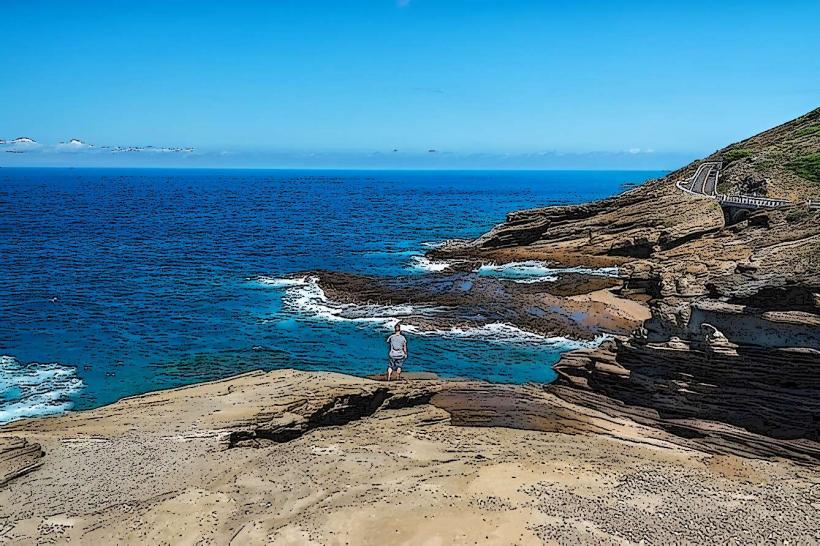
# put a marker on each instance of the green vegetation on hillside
(807, 166)
(733, 154)
(798, 214)
(724, 186)
(810, 130)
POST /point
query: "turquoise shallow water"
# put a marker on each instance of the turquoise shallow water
(116, 282)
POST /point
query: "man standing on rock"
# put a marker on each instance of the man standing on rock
(397, 353)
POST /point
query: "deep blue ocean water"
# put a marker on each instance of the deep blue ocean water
(117, 282)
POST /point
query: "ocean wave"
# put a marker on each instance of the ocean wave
(281, 282)
(35, 389)
(423, 263)
(536, 271)
(502, 332)
(433, 244)
(304, 296)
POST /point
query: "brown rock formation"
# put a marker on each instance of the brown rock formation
(635, 224)
(764, 391)
(735, 329)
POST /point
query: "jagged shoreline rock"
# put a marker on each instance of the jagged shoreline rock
(691, 389)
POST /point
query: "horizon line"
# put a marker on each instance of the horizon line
(352, 169)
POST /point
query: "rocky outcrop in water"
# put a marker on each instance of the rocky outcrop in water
(573, 305)
(636, 224)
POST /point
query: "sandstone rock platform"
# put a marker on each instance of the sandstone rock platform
(291, 457)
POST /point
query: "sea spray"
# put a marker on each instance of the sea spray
(35, 389)
(502, 332)
(304, 296)
(425, 264)
(537, 271)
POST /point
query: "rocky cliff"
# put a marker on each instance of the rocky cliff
(734, 334)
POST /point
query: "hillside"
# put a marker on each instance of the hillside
(783, 162)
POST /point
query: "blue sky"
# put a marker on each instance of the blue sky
(486, 84)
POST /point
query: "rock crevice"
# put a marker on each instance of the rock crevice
(339, 410)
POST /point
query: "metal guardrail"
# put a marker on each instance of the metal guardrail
(752, 202)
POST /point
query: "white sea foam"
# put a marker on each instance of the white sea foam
(423, 263)
(281, 282)
(308, 299)
(537, 271)
(31, 390)
(502, 332)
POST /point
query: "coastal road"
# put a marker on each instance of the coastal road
(705, 179)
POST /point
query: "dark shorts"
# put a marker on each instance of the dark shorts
(395, 363)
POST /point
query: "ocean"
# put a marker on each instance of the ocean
(115, 282)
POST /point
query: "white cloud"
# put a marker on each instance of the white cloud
(78, 146)
(19, 145)
(73, 145)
